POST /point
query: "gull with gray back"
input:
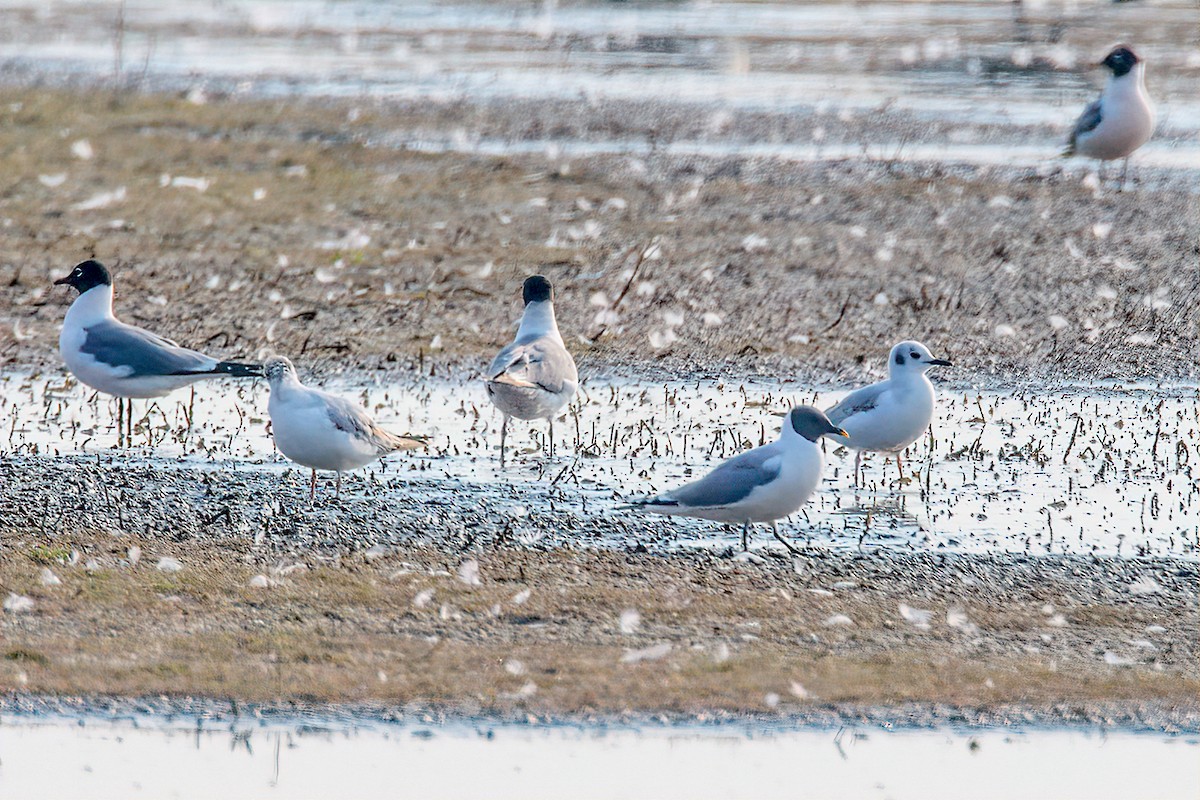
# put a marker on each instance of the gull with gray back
(765, 484)
(888, 416)
(535, 376)
(122, 360)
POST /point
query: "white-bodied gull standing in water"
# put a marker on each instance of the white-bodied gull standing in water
(319, 430)
(888, 416)
(1122, 120)
(123, 360)
(761, 485)
(535, 376)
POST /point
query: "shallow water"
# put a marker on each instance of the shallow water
(952, 65)
(151, 757)
(1030, 156)
(1103, 469)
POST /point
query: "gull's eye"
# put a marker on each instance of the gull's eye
(914, 356)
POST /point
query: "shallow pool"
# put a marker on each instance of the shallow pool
(1074, 469)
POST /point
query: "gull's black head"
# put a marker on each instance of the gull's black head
(537, 289)
(1121, 60)
(812, 424)
(86, 275)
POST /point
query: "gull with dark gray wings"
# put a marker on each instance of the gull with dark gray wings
(123, 360)
(761, 485)
(535, 376)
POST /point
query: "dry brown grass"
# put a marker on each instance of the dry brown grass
(351, 632)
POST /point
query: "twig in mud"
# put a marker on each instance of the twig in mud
(1157, 433)
(1074, 433)
(841, 315)
(637, 266)
(563, 472)
(791, 549)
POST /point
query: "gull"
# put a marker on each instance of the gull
(1122, 119)
(319, 430)
(535, 376)
(123, 360)
(888, 416)
(761, 485)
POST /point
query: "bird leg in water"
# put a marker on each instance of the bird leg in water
(312, 488)
(338, 494)
(503, 435)
(552, 437)
(784, 542)
(746, 536)
(120, 421)
(857, 466)
(1124, 171)
(900, 465)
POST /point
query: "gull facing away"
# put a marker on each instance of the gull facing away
(319, 430)
(535, 376)
(1122, 119)
(761, 485)
(888, 416)
(123, 360)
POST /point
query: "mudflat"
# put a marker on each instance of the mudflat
(241, 225)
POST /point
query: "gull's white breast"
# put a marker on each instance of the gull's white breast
(305, 433)
(1126, 122)
(900, 416)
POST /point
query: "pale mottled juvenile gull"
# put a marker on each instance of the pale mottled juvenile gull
(123, 360)
(1122, 119)
(761, 485)
(535, 376)
(319, 430)
(888, 416)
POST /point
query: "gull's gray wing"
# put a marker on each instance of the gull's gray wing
(856, 402)
(350, 418)
(143, 353)
(734, 480)
(1088, 121)
(541, 362)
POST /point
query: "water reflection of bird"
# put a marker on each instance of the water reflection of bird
(1121, 120)
(761, 485)
(123, 360)
(890, 415)
(535, 376)
(319, 430)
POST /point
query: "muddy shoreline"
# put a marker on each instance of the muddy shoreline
(371, 258)
(215, 714)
